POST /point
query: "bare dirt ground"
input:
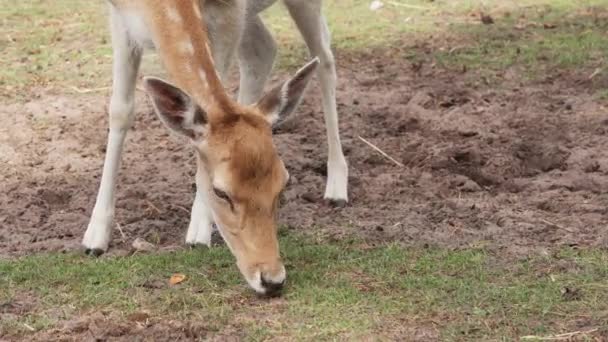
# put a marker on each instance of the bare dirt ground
(509, 166)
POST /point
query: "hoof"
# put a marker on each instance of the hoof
(339, 203)
(198, 246)
(94, 252)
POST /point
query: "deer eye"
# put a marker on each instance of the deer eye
(223, 195)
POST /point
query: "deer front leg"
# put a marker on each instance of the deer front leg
(201, 221)
(313, 27)
(127, 58)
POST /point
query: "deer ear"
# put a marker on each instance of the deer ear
(280, 102)
(176, 109)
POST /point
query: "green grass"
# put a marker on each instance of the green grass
(60, 44)
(534, 44)
(334, 291)
(63, 46)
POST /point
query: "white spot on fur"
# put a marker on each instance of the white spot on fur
(173, 14)
(203, 76)
(187, 47)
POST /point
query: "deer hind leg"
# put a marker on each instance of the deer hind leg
(225, 23)
(312, 25)
(127, 57)
(256, 57)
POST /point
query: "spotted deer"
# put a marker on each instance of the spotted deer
(239, 173)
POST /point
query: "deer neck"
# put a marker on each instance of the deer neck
(180, 36)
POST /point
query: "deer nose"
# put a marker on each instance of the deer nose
(272, 287)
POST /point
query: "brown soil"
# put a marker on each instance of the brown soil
(506, 166)
(139, 326)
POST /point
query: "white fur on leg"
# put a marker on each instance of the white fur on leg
(125, 67)
(205, 228)
(201, 226)
(201, 218)
(97, 236)
(314, 30)
(99, 230)
(337, 180)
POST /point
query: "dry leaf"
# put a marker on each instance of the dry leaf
(177, 278)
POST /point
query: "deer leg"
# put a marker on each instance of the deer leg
(225, 23)
(256, 57)
(127, 57)
(201, 220)
(312, 25)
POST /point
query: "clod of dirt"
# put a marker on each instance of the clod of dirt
(309, 197)
(537, 157)
(592, 166)
(78, 325)
(142, 245)
(571, 294)
(14, 307)
(465, 184)
(138, 317)
(374, 159)
(54, 198)
(470, 186)
(486, 19)
(516, 185)
(549, 26)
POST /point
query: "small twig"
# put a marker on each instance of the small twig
(407, 5)
(29, 327)
(122, 233)
(381, 152)
(86, 91)
(154, 207)
(556, 225)
(558, 337)
(180, 207)
(456, 48)
(595, 73)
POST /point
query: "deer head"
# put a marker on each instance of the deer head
(243, 173)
